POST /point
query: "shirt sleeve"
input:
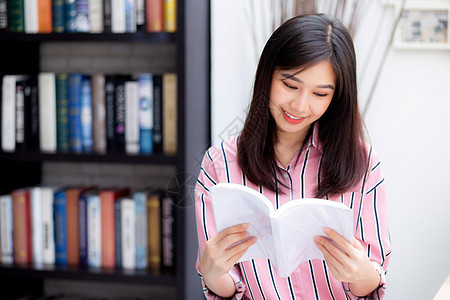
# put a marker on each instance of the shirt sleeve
(206, 227)
(372, 225)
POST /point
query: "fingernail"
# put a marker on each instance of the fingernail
(254, 239)
(245, 226)
(326, 230)
(316, 239)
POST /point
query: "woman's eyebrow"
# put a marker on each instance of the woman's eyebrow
(292, 77)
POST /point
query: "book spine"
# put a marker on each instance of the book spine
(75, 135)
(128, 233)
(118, 232)
(22, 234)
(3, 15)
(86, 115)
(140, 199)
(98, 113)
(154, 232)
(47, 112)
(130, 16)
(60, 219)
(107, 229)
(145, 82)
(34, 114)
(16, 12)
(31, 16)
(27, 103)
(170, 15)
(131, 117)
(82, 18)
(140, 14)
(36, 210)
(70, 16)
(8, 113)
(154, 15)
(110, 113)
(96, 16)
(157, 114)
(119, 117)
(82, 210)
(94, 231)
(106, 16)
(48, 226)
(73, 226)
(58, 12)
(20, 116)
(170, 113)
(45, 16)
(168, 247)
(62, 112)
(118, 16)
(6, 227)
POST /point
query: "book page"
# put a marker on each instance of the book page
(233, 205)
(300, 220)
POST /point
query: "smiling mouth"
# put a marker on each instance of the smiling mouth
(292, 116)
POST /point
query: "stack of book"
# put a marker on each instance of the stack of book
(96, 113)
(91, 16)
(87, 226)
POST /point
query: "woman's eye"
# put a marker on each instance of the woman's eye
(320, 94)
(289, 86)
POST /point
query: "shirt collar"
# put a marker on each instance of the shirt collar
(314, 139)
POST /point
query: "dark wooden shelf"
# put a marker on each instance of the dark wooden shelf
(95, 274)
(156, 159)
(140, 36)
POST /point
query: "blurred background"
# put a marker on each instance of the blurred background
(403, 58)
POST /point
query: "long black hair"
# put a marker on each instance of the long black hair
(300, 43)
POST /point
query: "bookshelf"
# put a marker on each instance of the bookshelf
(192, 67)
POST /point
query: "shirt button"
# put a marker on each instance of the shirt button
(285, 175)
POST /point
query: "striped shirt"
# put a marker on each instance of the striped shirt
(256, 279)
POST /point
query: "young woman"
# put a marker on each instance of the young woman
(303, 137)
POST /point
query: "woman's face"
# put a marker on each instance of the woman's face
(297, 99)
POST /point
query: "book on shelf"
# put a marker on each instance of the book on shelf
(16, 14)
(82, 17)
(275, 228)
(96, 16)
(130, 16)
(154, 15)
(8, 113)
(75, 106)
(62, 112)
(60, 226)
(73, 223)
(37, 228)
(170, 114)
(119, 112)
(84, 227)
(140, 200)
(86, 114)
(170, 15)
(167, 233)
(128, 223)
(154, 231)
(145, 94)
(131, 119)
(31, 16)
(47, 112)
(58, 15)
(22, 233)
(45, 24)
(118, 16)
(94, 231)
(108, 198)
(3, 15)
(157, 114)
(6, 229)
(98, 113)
(23, 113)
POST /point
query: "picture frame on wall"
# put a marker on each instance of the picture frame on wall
(424, 26)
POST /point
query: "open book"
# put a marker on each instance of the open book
(285, 236)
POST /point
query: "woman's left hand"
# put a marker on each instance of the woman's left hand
(348, 262)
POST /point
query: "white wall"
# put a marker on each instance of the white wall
(408, 124)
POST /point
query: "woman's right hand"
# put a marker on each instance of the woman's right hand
(221, 252)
